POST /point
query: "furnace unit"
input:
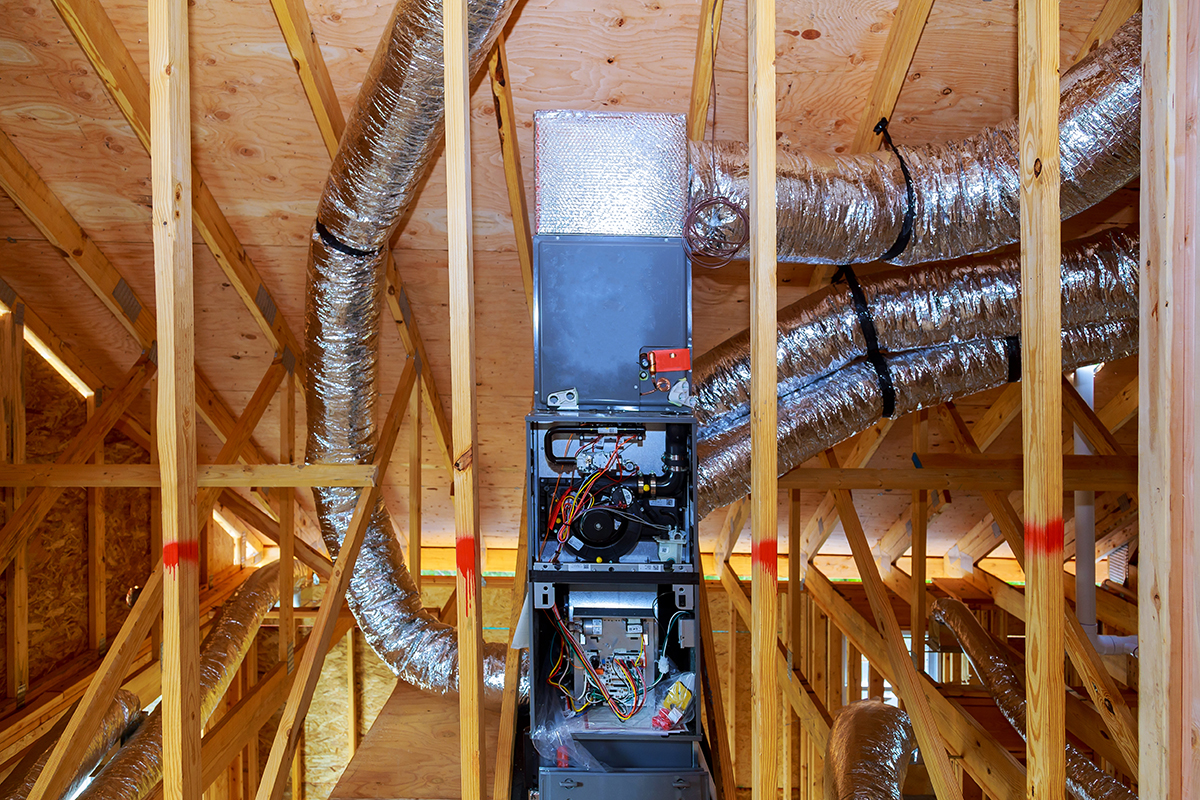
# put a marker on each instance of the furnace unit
(614, 562)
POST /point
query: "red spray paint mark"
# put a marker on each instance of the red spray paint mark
(464, 553)
(174, 552)
(1044, 538)
(765, 554)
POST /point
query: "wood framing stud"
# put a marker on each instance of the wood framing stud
(1041, 393)
(907, 682)
(287, 526)
(709, 30)
(308, 671)
(898, 52)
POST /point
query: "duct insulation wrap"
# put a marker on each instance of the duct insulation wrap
(607, 173)
(119, 722)
(829, 392)
(847, 209)
(1001, 677)
(136, 769)
(392, 133)
(870, 747)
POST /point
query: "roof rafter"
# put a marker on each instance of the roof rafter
(98, 38)
(318, 88)
(898, 51)
(43, 208)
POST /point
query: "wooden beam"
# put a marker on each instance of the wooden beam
(719, 741)
(183, 549)
(209, 476)
(39, 335)
(249, 513)
(239, 437)
(764, 376)
(287, 525)
(736, 516)
(969, 473)
(514, 178)
(507, 737)
(239, 727)
(352, 711)
(96, 554)
(114, 65)
(820, 525)
(898, 50)
(50, 216)
(1041, 393)
(1089, 423)
(1168, 419)
(291, 726)
(414, 486)
(39, 501)
(1097, 681)
(905, 677)
(12, 451)
(460, 255)
(989, 765)
(709, 31)
(69, 751)
(808, 704)
(1114, 14)
(310, 66)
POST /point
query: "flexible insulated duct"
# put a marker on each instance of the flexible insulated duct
(119, 722)
(870, 747)
(846, 209)
(944, 332)
(390, 138)
(1085, 780)
(137, 767)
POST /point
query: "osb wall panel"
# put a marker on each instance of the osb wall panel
(58, 579)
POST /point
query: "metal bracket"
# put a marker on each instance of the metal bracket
(564, 399)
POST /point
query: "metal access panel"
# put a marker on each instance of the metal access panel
(600, 304)
(641, 785)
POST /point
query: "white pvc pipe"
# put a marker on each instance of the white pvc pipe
(1085, 520)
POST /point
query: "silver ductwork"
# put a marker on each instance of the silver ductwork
(849, 209)
(137, 767)
(944, 331)
(870, 747)
(119, 722)
(1085, 780)
(390, 139)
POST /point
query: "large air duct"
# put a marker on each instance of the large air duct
(122, 718)
(137, 767)
(870, 747)
(944, 332)
(848, 209)
(390, 138)
(1085, 780)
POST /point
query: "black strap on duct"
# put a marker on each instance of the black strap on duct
(910, 213)
(1012, 349)
(340, 246)
(883, 372)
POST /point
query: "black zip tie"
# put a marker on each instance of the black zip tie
(910, 213)
(336, 244)
(887, 389)
(1012, 348)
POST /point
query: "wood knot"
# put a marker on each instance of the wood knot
(1037, 167)
(464, 461)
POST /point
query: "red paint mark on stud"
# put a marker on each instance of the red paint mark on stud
(1044, 538)
(765, 554)
(174, 552)
(464, 553)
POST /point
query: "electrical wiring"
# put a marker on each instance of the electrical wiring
(637, 694)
